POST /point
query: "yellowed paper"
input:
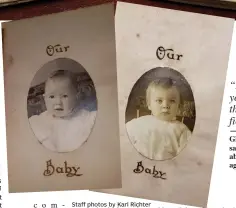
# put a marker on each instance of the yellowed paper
(198, 47)
(71, 141)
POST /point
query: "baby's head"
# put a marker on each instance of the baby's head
(163, 99)
(61, 93)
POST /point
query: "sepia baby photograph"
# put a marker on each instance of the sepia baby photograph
(160, 114)
(60, 93)
(62, 108)
(171, 69)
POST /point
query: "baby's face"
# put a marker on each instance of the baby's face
(164, 103)
(60, 97)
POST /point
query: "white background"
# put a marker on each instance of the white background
(223, 183)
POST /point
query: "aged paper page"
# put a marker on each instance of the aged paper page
(60, 93)
(196, 48)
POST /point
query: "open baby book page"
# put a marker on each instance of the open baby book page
(171, 74)
(61, 101)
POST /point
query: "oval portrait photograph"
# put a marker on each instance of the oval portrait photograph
(160, 114)
(62, 105)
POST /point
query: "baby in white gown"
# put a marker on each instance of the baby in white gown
(63, 127)
(159, 136)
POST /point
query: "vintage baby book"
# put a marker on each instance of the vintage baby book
(171, 69)
(61, 101)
